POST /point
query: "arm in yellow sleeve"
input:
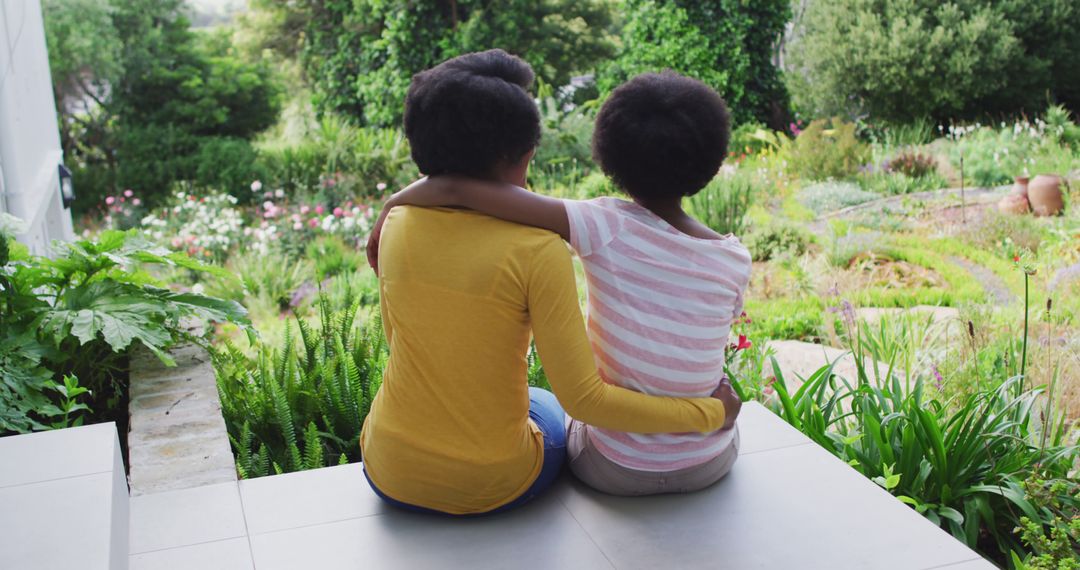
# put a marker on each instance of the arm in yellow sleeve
(571, 369)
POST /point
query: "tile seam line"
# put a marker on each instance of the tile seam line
(309, 525)
(741, 454)
(957, 563)
(247, 529)
(13, 485)
(587, 533)
(179, 546)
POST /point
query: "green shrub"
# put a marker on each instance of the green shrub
(994, 156)
(726, 44)
(827, 149)
(229, 165)
(302, 405)
(897, 184)
(778, 239)
(903, 61)
(74, 318)
(825, 197)
(564, 154)
(785, 319)
(722, 205)
(332, 256)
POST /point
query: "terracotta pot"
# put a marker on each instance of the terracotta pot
(1021, 186)
(1013, 204)
(1044, 193)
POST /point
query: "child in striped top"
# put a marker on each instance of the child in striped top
(663, 289)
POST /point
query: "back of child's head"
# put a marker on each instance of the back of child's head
(471, 113)
(661, 135)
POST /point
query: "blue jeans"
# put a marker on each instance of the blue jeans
(548, 415)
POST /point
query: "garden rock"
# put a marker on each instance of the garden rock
(799, 360)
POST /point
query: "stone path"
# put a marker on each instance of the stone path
(177, 436)
(993, 284)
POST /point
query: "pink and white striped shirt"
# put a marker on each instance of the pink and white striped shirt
(660, 308)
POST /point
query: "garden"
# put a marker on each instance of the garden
(909, 196)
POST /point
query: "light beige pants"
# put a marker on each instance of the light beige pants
(600, 473)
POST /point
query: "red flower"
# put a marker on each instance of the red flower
(743, 343)
(1016, 259)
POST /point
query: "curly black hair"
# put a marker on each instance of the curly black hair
(661, 135)
(471, 113)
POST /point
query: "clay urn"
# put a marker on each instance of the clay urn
(1021, 185)
(1044, 194)
(1013, 204)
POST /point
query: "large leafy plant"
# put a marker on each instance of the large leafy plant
(76, 316)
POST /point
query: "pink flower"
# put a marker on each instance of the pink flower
(128, 193)
(298, 226)
(110, 200)
(256, 186)
(338, 212)
(305, 209)
(313, 222)
(136, 202)
(380, 186)
(319, 210)
(177, 242)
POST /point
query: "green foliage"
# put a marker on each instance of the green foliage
(335, 162)
(896, 184)
(727, 44)
(776, 239)
(160, 93)
(332, 256)
(902, 61)
(827, 149)
(74, 318)
(564, 155)
(825, 197)
(994, 156)
(360, 55)
(227, 164)
(782, 319)
(302, 405)
(722, 205)
(1055, 540)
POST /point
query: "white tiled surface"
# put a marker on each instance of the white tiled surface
(786, 504)
(186, 517)
(229, 554)
(307, 497)
(55, 454)
(63, 500)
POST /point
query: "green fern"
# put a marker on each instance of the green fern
(302, 404)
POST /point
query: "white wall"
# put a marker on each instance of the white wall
(29, 139)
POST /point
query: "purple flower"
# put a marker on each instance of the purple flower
(938, 380)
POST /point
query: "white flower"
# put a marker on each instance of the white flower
(279, 193)
(11, 225)
(380, 186)
(198, 289)
(256, 186)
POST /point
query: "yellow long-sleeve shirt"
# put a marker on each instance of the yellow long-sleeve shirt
(449, 429)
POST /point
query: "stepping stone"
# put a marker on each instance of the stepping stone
(873, 315)
(799, 360)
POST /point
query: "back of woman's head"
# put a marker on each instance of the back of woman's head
(661, 135)
(471, 113)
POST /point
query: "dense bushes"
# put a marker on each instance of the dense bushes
(728, 44)
(827, 149)
(359, 56)
(905, 60)
(146, 102)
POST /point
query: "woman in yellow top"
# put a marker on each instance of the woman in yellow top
(455, 428)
